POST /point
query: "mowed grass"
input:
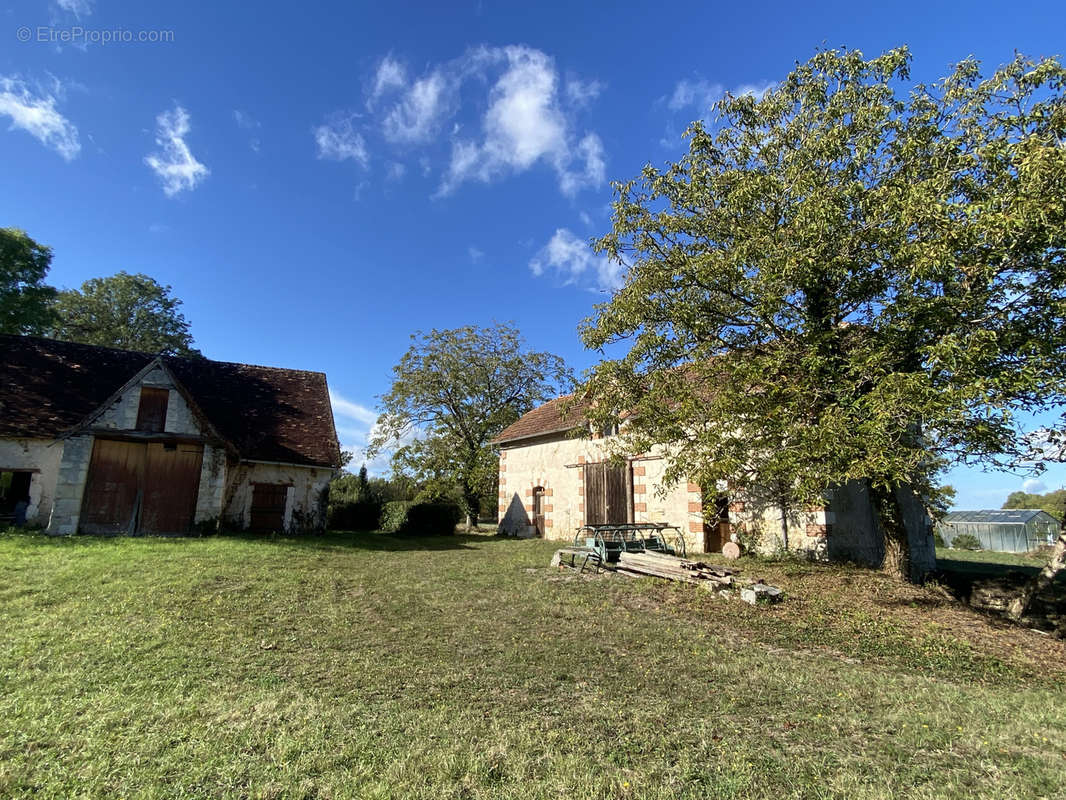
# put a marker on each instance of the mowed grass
(366, 666)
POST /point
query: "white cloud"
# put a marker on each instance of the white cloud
(475, 253)
(1034, 486)
(245, 120)
(574, 262)
(523, 125)
(343, 407)
(416, 117)
(590, 151)
(36, 114)
(338, 140)
(395, 171)
(79, 8)
(525, 120)
(698, 94)
(176, 166)
(390, 76)
(580, 93)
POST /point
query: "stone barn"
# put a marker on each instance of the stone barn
(555, 476)
(99, 440)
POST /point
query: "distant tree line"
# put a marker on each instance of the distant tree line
(1054, 503)
(129, 311)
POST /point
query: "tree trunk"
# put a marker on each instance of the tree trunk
(897, 561)
(1020, 604)
(472, 507)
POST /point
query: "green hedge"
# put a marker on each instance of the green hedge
(437, 519)
(355, 515)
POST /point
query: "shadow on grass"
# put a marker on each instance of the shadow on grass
(328, 540)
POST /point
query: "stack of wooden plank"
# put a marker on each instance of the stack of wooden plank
(675, 569)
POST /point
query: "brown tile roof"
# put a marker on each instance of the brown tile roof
(47, 387)
(555, 416)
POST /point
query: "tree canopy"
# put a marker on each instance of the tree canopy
(1054, 503)
(849, 277)
(133, 312)
(25, 301)
(451, 393)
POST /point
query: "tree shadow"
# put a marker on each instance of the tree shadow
(328, 540)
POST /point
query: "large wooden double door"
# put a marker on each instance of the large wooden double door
(141, 487)
(608, 494)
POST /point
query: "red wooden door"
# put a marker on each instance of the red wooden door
(607, 494)
(538, 510)
(268, 506)
(171, 483)
(113, 488)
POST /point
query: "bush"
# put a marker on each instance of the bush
(429, 519)
(355, 515)
(938, 540)
(438, 519)
(966, 541)
(393, 515)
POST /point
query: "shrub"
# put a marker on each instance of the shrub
(355, 515)
(938, 540)
(966, 541)
(393, 515)
(438, 519)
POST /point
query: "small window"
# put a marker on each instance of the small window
(152, 413)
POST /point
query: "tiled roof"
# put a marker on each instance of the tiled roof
(561, 415)
(47, 387)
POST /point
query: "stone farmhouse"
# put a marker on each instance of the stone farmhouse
(99, 440)
(555, 477)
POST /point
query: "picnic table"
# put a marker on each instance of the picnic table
(610, 540)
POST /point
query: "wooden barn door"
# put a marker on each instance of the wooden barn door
(268, 506)
(171, 483)
(607, 494)
(112, 494)
(135, 487)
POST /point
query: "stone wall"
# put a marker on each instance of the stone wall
(43, 457)
(557, 466)
(211, 496)
(843, 528)
(304, 508)
(122, 413)
(70, 484)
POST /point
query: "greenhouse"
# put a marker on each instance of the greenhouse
(1009, 530)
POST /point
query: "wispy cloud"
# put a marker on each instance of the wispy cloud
(390, 76)
(174, 164)
(338, 140)
(580, 93)
(475, 253)
(525, 124)
(356, 424)
(247, 122)
(34, 111)
(700, 94)
(79, 8)
(525, 120)
(416, 117)
(573, 261)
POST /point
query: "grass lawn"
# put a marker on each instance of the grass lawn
(369, 666)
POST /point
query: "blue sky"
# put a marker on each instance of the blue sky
(317, 182)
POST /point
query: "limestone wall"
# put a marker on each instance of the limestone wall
(211, 496)
(304, 507)
(70, 484)
(122, 414)
(42, 457)
(557, 465)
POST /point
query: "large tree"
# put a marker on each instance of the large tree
(25, 301)
(861, 279)
(133, 312)
(452, 392)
